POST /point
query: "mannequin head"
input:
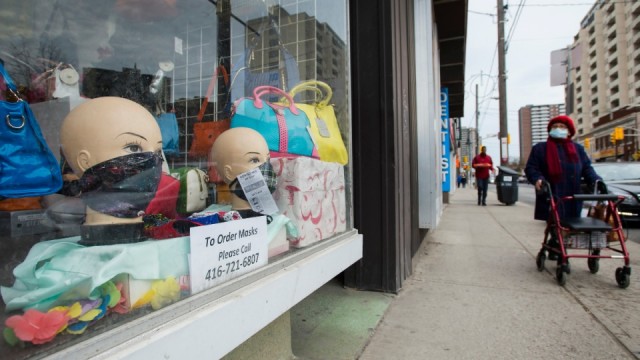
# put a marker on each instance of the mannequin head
(236, 151)
(106, 133)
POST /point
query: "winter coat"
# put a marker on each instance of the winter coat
(572, 175)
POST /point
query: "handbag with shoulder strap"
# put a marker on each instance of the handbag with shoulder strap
(27, 165)
(323, 122)
(206, 132)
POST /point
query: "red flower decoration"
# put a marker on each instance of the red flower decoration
(121, 306)
(37, 327)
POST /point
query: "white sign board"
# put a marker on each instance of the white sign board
(221, 252)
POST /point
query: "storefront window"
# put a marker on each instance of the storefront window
(162, 148)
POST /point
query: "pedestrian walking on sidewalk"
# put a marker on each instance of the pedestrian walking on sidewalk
(483, 164)
(561, 162)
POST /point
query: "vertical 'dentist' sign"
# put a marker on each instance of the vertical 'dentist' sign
(445, 139)
(221, 252)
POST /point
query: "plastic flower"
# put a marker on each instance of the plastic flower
(165, 292)
(37, 327)
(92, 310)
(109, 288)
(121, 306)
(144, 299)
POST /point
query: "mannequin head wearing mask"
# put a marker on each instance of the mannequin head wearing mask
(114, 146)
(237, 151)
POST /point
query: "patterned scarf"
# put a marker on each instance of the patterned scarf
(553, 158)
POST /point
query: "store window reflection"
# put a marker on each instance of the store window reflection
(184, 67)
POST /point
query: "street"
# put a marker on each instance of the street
(527, 195)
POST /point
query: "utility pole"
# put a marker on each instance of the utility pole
(477, 130)
(502, 88)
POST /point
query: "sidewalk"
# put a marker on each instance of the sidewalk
(475, 293)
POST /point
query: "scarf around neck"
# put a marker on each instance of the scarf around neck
(553, 158)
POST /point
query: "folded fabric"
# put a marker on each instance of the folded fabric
(59, 271)
(56, 272)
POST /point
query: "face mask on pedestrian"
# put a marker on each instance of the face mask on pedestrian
(559, 133)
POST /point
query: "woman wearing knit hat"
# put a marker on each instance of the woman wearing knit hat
(561, 162)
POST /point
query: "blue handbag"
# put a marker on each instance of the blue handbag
(283, 126)
(27, 165)
(168, 124)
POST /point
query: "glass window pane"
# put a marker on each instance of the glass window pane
(129, 98)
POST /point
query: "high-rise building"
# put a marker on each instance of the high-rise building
(467, 145)
(603, 78)
(533, 121)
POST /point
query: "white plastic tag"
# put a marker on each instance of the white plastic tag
(257, 192)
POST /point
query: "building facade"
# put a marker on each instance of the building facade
(533, 121)
(603, 84)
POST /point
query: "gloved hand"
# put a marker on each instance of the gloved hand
(601, 187)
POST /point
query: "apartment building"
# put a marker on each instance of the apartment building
(467, 143)
(603, 79)
(533, 121)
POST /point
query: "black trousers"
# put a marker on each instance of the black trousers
(483, 186)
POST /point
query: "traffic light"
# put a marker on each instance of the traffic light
(612, 137)
(619, 133)
(508, 139)
(465, 159)
(587, 143)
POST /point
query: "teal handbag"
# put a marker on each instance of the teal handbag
(27, 165)
(283, 125)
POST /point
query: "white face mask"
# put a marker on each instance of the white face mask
(558, 133)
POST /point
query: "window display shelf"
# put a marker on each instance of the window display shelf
(198, 327)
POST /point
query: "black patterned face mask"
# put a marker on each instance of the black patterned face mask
(269, 177)
(124, 186)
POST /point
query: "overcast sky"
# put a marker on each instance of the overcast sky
(541, 27)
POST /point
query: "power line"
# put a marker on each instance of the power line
(512, 30)
(481, 13)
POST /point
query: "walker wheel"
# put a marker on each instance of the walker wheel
(594, 265)
(566, 266)
(623, 278)
(540, 259)
(561, 276)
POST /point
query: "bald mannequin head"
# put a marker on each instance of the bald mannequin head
(104, 128)
(236, 151)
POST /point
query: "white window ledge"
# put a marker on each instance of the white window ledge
(212, 323)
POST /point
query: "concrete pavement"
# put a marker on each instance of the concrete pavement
(476, 294)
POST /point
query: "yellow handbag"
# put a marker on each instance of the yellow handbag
(324, 125)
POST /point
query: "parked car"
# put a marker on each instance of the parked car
(523, 180)
(623, 178)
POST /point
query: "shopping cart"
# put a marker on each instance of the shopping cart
(591, 238)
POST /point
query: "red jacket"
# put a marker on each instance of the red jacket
(481, 171)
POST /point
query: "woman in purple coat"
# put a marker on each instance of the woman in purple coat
(561, 162)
